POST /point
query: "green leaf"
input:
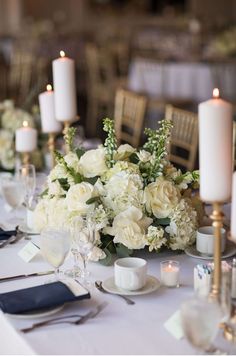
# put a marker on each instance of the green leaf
(44, 193)
(64, 183)
(79, 152)
(134, 158)
(91, 180)
(123, 251)
(165, 222)
(107, 261)
(92, 200)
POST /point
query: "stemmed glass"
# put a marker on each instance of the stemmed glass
(27, 175)
(200, 321)
(13, 194)
(55, 246)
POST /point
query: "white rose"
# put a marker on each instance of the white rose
(161, 197)
(93, 163)
(144, 156)
(72, 161)
(77, 197)
(129, 228)
(123, 152)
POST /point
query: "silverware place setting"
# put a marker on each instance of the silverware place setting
(98, 285)
(78, 319)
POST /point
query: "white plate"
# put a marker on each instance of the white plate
(25, 229)
(151, 285)
(230, 251)
(37, 314)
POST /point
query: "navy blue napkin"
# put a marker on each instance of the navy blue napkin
(37, 298)
(5, 235)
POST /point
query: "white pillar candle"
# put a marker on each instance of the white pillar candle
(170, 273)
(64, 88)
(215, 149)
(233, 210)
(47, 112)
(26, 138)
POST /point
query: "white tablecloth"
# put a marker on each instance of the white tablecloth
(118, 329)
(182, 80)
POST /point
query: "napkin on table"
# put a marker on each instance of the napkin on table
(40, 297)
(5, 235)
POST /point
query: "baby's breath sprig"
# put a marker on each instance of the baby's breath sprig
(157, 143)
(69, 138)
(110, 142)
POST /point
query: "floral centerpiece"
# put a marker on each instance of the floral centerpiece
(136, 197)
(11, 118)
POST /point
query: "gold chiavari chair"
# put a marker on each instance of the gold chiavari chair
(184, 137)
(129, 116)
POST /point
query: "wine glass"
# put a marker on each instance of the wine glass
(85, 240)
(13, 194)
(55, 246)
(200, 321)
(27, 175)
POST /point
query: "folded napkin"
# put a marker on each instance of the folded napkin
(5, 235)
(40, 297)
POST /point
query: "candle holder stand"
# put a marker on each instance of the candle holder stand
(26, 158)
(51, 147)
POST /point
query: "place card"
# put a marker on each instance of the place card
(28, 252)
(173, 325)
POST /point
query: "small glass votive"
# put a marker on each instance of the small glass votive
(170, 273)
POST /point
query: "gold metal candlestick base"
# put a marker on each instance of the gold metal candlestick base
(217, 218)
(51, 147)
(26, 158)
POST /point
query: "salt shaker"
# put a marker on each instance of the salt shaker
(233, 288)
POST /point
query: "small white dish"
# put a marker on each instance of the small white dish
(37, 313)
(230, 251)
(25, 229)
(151, 285)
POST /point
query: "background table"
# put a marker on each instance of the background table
(118, 329)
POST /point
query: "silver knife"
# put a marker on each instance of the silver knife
(20, 276)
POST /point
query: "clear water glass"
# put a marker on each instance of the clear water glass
(200, 321)
(27, 175)
(55, 246)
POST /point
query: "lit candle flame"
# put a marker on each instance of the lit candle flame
(49, 87)
(25, 124)
(216, 93)
(62, 54)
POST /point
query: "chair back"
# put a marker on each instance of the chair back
(234, 145)
(184, 137)
(129, 116)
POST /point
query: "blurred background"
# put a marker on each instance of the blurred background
(171, 51)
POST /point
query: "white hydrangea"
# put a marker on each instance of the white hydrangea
(155, 238)
(100, 217)
(183, 226)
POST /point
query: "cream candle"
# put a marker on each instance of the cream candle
(64, 88)
(215, 149)
(170, 273)
(26, 138)
(47, 112)
(233, 210)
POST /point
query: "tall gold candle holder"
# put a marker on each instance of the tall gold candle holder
(51, 147)
(217, 217)
(26, 158)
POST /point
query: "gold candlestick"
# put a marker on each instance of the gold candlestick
(26, 158)
(217, 218)
(51, 147)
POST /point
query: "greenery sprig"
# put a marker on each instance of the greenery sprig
(69, 138)
(78, 178)
(110, 143)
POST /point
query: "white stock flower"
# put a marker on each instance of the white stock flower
(77, 197)
(96, 254)
(129, 228)
(161, 197)
(93, 163)
(59, 171)
(123, 152)
(183, 226)
(54, 188)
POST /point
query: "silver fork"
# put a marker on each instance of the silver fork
(81, 319)
(8, 241)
